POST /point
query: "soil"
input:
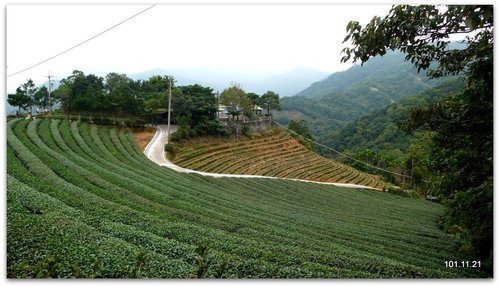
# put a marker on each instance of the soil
(143, 137)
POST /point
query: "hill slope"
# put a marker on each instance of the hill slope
(343, 97)
(84, 201)
(270, 153)
(379, 73)
(378, 131)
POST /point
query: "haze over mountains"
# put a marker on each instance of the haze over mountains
(286, 83)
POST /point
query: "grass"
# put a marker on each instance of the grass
(83, 201)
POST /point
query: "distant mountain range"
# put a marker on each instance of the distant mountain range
(287, 83)
(379, 75)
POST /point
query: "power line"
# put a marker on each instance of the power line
(81, 43)
(343, 154)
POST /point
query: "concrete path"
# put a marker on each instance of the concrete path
(155, 151)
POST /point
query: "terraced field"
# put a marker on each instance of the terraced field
(83, 201)
(270, 153)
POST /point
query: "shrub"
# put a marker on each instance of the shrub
(245, 130)
(170, 149)
(396, 190)
(412, 194)
(180, 133)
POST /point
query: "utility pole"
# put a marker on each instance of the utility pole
(169, 107)
(217, 95)
(50, 91)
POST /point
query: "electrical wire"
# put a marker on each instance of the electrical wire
(81, 43)
(342, 154)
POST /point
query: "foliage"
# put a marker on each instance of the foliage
(301, 133)
(20, 99)
(141, 257)
(169, 147)
(331, 104)
(379, 131)
(270, 101)
(202, 261)
(462, 147)
(195, 107)
(235, 100)
(29, 90)
(245, 130)
(254, 98)
(48, 268)
(119, 96)
(28, 95)
(206, 127)
(122, 95)
(425, 36)
(41, 98)
(63, 96)
(377, 139)
(103, 201)
(170, 150)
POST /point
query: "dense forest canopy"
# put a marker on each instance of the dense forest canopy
(117, 96)
(346, 96)
(460, 150)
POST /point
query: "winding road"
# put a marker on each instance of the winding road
(155, 151)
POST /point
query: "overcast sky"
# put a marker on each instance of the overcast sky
(251, 38)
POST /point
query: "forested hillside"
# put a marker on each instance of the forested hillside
(379, 73)
(378, 131)
(343, 97)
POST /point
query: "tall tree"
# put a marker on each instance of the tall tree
(199, 102)
(63, 95)
(235, 100)
(254, 99)
(29, 90)
(153, 92)
(270, 101)
(462, 145)
(121, 95)
(68, 90)
(41, 97)
(20, 99)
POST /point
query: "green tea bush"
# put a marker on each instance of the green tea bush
(87, 195)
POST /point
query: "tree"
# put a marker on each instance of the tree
(154, 92)
(19, 99)
(29, 90)
(254, 99)
(121, 95)
(68, 90)
(462, 146)
(203, 102)
(41, 97)
(270, 101)
(63, 95)
(82, 93)
(301, 129)
(235, 100)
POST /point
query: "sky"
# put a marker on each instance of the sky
(256, 39)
